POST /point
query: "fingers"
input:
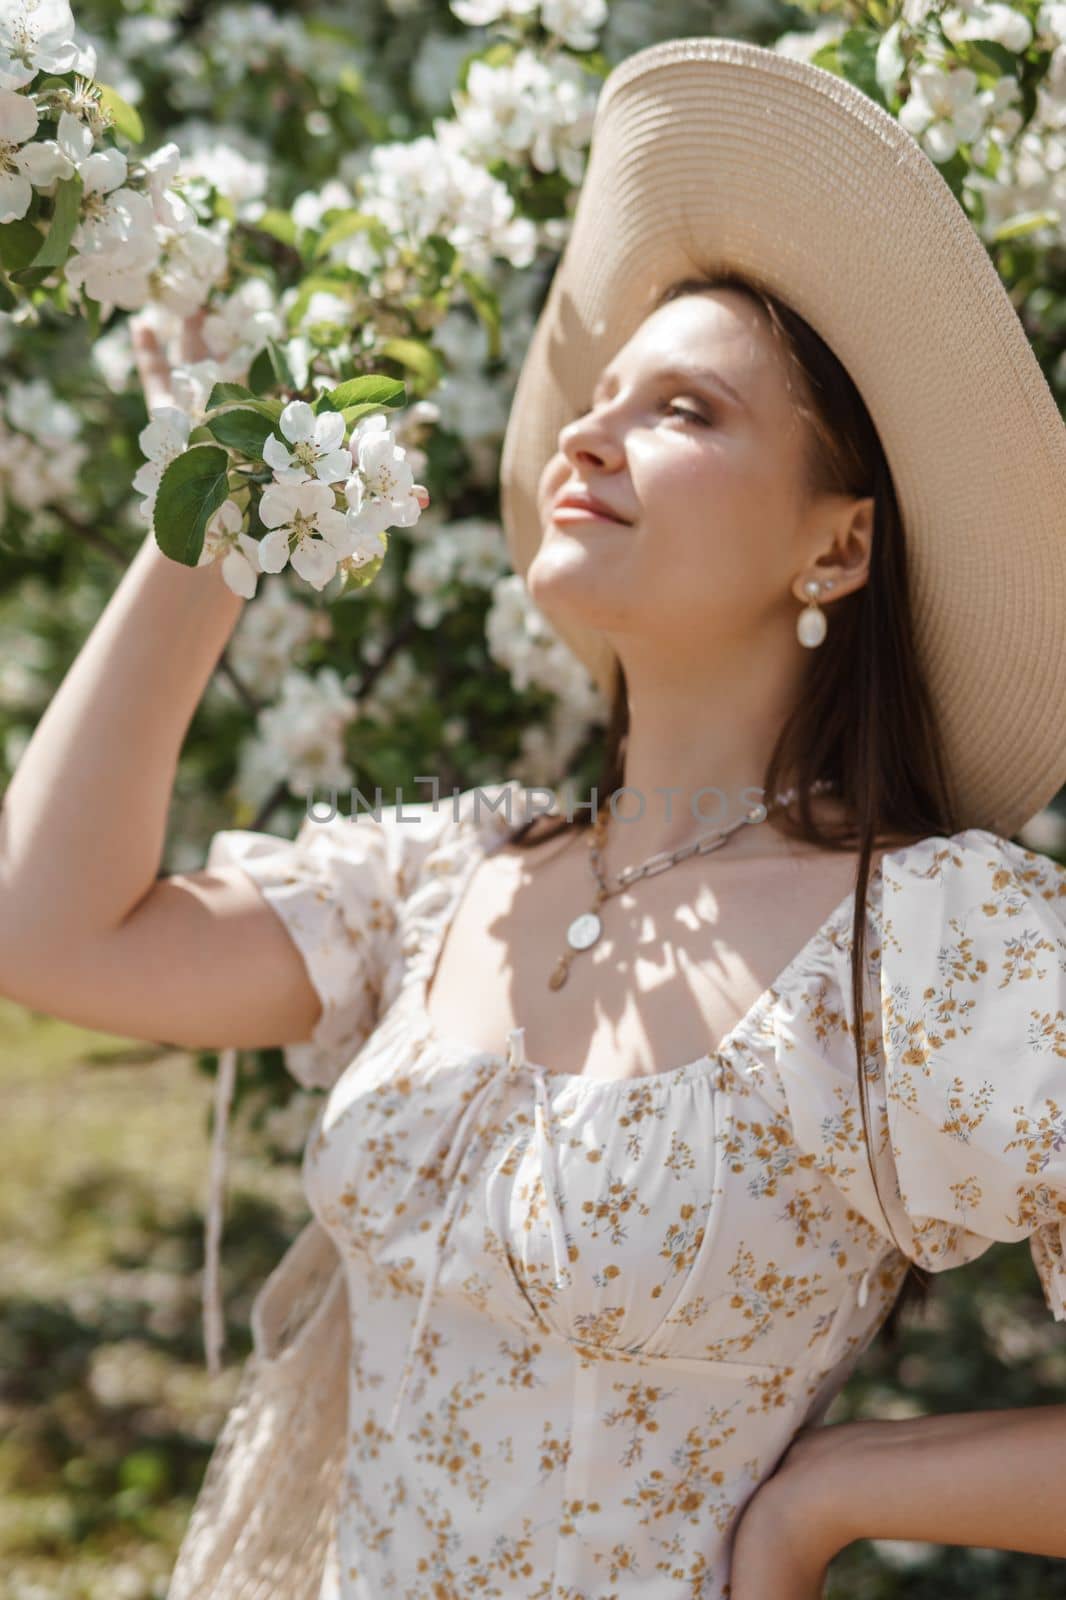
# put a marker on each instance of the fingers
(193, 347)
(152, 364)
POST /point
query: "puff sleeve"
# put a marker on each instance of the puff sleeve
(973, 1002)
(965, 1064)
(338, 888)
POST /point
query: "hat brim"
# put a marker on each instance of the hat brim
(728, 152)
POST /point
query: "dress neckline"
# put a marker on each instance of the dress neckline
(707, 1063)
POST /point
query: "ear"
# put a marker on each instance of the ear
(843, 557)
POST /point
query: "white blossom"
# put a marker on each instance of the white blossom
(470, 551)
(976, 19)
(383, 484)
(159, 171)
(238, 326)
(306, 528)
(317, 442)
(116, 251)
(18, 124)
(1051, 24)
(429, 185)
(164, 438)
(300, 739)
(575, 22)
(311, 205)
(271, 632)
(193, 262)
(33, 407)
(230, 159)
(520, 638)
(226, 541)
(35, 36)
(943, 110)
(527, 109)
(325, 306)
(70, 152)
(482, 13)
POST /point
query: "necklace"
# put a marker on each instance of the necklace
(585, 929)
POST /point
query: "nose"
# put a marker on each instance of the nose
(588, 439)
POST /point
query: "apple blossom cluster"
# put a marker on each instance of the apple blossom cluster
(117, 232)
(41, 454)
(419, 188)
(330, 497)
(299, 740)
(575, 22)
(1014, 182)
(528, 109)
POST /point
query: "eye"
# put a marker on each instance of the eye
(684, 411)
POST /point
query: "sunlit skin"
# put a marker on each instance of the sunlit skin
(699, 599)
(699, 596)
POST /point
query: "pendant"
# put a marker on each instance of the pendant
(584, 931)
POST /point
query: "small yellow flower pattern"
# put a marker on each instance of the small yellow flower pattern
(587, 1316)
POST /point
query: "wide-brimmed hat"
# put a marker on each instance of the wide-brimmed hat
(726, 152)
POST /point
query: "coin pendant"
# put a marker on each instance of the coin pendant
(584, 930)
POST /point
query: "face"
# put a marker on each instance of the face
(709, 479)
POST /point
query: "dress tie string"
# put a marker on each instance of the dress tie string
(462, 1151)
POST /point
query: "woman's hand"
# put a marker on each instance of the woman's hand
(787, 1533)
(153, 368)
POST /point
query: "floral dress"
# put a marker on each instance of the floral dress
(587, 1317)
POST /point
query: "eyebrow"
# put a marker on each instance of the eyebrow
(689, 374)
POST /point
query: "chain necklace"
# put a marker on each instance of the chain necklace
(585, 929)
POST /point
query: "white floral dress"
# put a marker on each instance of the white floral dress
(587, 1317)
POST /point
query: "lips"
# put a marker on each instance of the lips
(579, 500)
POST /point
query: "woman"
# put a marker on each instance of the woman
(564, 1321)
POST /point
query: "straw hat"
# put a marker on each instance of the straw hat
(721, 149)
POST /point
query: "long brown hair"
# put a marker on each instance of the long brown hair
(864, 718)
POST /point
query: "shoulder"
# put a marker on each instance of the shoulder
(973, 889)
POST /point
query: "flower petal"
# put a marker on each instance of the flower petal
(298, 422)
(315, 561)
(274, 550)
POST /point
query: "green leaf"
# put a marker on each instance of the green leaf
(242, 428)
(988, 55)
(357, 579)
(126, 120)
(442, 253)
(7, 299)
(347, 223)
(191, 490)
(270, 369)
(857, 54)
(486, 303)
(231, 394)
(419, 358)
(278, 224)
(1025, 222)
(371, 390)
(353, 413)
(56, 245)
(224, 394)
(19, 243)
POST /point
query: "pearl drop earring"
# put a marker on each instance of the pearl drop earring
(811, 623)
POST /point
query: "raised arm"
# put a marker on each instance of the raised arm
(88, 931)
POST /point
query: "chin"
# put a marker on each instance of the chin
(566, 581)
